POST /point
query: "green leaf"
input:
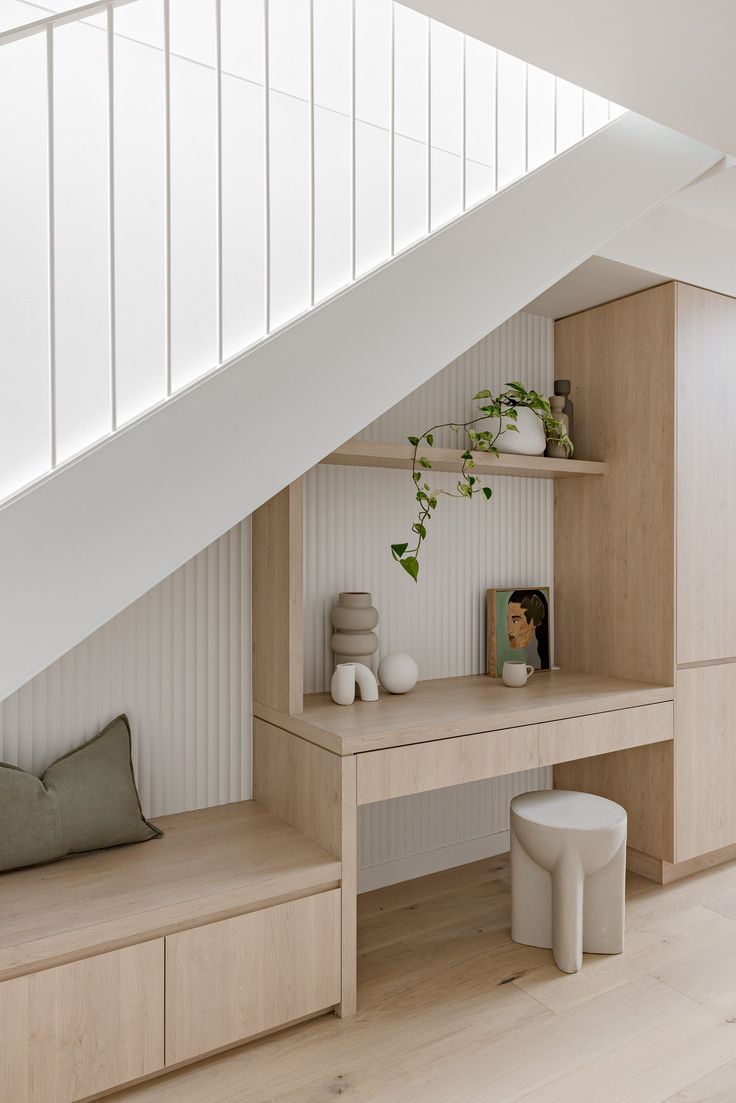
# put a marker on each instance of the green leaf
(420, 530)
(397, 550)
(424, 462)
(426, 486)
(413, 440)
(511, 428)
(467, 456)
(487, 493)
(416, 476)
(430, 439)
(482, 394)
(411, 566)
(433, 503)
(471, 480)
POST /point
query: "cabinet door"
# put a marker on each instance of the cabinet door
(706, 487)
(705, 741)
(82, 1028)
(230, 980)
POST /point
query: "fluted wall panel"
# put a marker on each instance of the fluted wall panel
(353, 515)
(177, 661)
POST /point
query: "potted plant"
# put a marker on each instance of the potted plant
(500, 413)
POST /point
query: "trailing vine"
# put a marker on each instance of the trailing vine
(504, 408)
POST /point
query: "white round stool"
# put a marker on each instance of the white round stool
(568, 874)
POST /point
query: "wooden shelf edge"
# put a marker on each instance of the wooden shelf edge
(359, 453)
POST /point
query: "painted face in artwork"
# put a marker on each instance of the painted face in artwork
(520, 631)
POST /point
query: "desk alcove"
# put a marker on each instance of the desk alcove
(643, 707)
(315, 762)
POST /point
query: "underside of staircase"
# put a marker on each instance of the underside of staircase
(83, 543)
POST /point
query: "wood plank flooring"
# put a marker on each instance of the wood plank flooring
(451, 1010)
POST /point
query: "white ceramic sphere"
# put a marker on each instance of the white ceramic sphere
(397, 672)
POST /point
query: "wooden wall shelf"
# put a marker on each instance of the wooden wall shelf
(359, 453)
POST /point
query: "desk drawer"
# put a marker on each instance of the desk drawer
(603, 732)
(418, 767)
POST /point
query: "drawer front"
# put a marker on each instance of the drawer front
(603, 732)
(399, 771)
(70, 1032)
(230, 980)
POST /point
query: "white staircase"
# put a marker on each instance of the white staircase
(205, 447)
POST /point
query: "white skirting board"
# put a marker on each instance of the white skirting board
(432, 861)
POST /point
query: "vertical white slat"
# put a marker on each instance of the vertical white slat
(429, 126)
(267, 165)
(111, 213)
(51, 243)
(555, 118)
(218, 175)
(495, 125)
(353, 179)
(526, 118)
(167, 195)
(312, 195)
(464, 131)
(392, 139)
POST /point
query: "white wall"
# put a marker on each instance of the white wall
(177, 661)
(353, 515)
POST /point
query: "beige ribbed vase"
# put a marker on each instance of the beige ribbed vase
(353, 619)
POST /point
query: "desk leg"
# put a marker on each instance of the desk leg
(349, 859)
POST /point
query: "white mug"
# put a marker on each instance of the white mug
(516, 674)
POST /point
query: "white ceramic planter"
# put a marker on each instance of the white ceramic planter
(528, 441)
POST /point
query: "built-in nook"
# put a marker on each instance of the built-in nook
(638, 711)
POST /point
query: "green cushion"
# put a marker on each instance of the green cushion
(86, 800)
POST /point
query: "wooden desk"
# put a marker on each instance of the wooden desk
(315, 767)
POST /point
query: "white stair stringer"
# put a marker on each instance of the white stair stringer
(92, 537)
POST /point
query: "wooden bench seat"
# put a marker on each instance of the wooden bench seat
(210, 865)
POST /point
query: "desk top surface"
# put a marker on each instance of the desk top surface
(446, 707)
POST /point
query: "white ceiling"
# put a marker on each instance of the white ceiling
(596, 281)
(671, 60)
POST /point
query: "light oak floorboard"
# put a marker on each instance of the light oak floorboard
(451, 1011)
(716, 1087)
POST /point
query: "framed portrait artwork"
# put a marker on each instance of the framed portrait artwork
(518, 628)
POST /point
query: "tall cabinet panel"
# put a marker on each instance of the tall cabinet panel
(615, 538)
(706, 475)
(645, 585)
(705, 762)
(705, 719)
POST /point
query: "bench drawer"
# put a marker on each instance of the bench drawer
(230, 980)
(400, 771)
(586, 736)
(78, 1029)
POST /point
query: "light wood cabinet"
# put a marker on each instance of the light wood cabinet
(706, 476)
(233, 979)
(70, 1032)
(654, 386)
(706, 760)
